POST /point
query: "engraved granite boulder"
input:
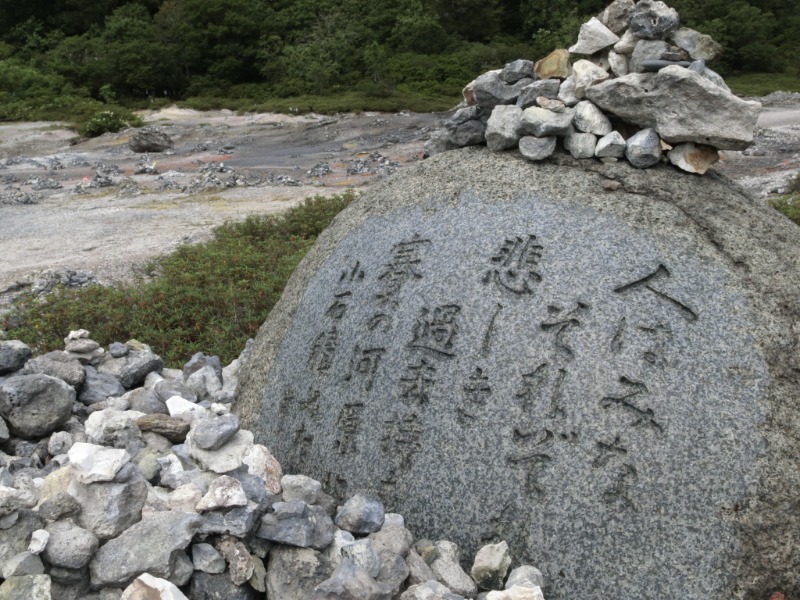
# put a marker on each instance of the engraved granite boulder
(502, 350)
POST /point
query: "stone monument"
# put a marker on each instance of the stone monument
(606, 380)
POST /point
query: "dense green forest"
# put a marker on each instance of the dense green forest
(62, 56)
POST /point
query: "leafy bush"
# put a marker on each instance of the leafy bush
(111, 121)
(208, 297)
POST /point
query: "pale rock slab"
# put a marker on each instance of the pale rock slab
(525, 576)
(106, 426)
(517, 592)
(626, 43)
(300, 487)
(351, 581)
(213, 432)
(185, 498)
(429, 590)
(147, 587)
(491, 566)
(566, 93)
(227, 458)
(619, 63)
(646, 50)
(593, 37)
(39, 539)
(693, 158)
(261, 463)
(580, 145)
(363, 554)
(611, 145)
(448, 571)
(224, 492)
(180, 406)
(26, 587)
(108, 509)
(590, 119)
(490, 90)
(96, 463)
(544, 87)
(681, 106)
(23, 563)
(541, 122)
(502, 128)
(553, 66)
(586, 74)
(699, 45)
(206, 558)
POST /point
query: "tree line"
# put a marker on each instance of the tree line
(122, 49)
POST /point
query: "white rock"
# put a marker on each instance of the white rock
(502, 129)
(537, 148)
(39, 539)
(593, 37)
(586, 73)
(77, 334)
(219, 409)
(626, 43)
(180, 406)
(526, 576)
(224, 492)
(151, 379)
(580, 145)
(491, 565)
(147, 587)
(611, 145)
(96, 463)
(590, 119)
(693, 158)
(300, 487)
(226, 458)
(566, 93)
(541, 122)
(261, 463)
(104, 425)
(517, 592)
(618, 63)
(184, 498)
(393, 520)
(333, 552)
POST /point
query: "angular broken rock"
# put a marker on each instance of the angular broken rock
(502, 128)
(693, 158)
(149, 546)
(13, 354)
(57, 364)
(615, 16)
(26, 587)
(699, 45)
(516, 70)
(429, 590)
(224, 492)
(610, 146)
(590, 119)
(580, 145)
(643, 149)
(545, 87)
(537, 148)
(517, 592)
(34, 406)
(491, 566)
(448, 570)
(587, 74)
(297, 524)
(619, 63)
(147, 587)
(541, 122)
(108, 509)
(351, 581)
(652, 19)
(171, 428)
(490, 90)
(132, 368)
(213, 432)
(96, 463)
(646, 50)
(593, 37)
(553, 66)
(98, 387)
(566, 93)
(681, 106)
(228, 457)
(149, 140)
(361, 515)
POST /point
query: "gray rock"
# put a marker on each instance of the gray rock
(541, 122)
(351, 582)
(26, 587)
(626, 43)
(616, 15)
(429, 590)
(167, 388)
(699, 45)
(699, 67)
(593, 37)
(448, 571)
(118, 349)
(709, 378)
(34, 406)
(590, 119)
(360, 515)
(228, 457)
(108, 509)
(681, 106)
(98, 387)
(466, 127)
(525, 576)
(239, 521)
(516, 70)
(491, 566)
(13, 354)
(396, 539)
(566, 93)
(132, 368)
(199, 361)
(69, 546)
(393, 572)
(652, 19)
(145, 401)
(586, 74)
(59, 443)
(547, 88)
(300, 487)
(23, 563)
(172, 428)
(580, 145)
(207, 586)
(206, 558)
(535, 148)
(646, 50)
(618, 63)
(297, 524)
(58, 506)
(5, 435)
(147, 139)
(212, 433)
(14, 538)
(59, 365)
(293, 573)
(502, 128)
(643, 149)
(610, 146)
(489, 90)
(117, 428)
(205, 383)
(363, 554)
(148, 546)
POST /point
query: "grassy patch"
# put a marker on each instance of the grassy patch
(789, 204)
(761, 84)
(208, 297)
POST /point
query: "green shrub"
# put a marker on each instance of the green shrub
(109, 121)
(208, 297)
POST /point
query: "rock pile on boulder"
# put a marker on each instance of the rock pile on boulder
(638, 90)
(120, 479)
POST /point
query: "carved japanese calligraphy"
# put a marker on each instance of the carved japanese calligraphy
(323, 350)
(404, 265)
(644, 417)
(647, 282)
(339, 307)
(436, 330)
(564, 322)
(348, 425)
(417, 383)
(364, 365)
(401, 437)
(514, 265)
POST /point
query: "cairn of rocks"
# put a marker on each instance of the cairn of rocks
(638, 89)
(124, 480)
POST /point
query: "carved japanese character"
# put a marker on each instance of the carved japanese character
(310, 404)
(337, 310)
(514, 265)
(418, 381)
(562, 324)
(365, 363)
(403, 266)
(355, 274)
(402, 437)
(348, 425)
(533, 455)
(490, 329)
(644, 417)
(323, 350)
(623, 478)
(646, 283)
(477, 389)
(436, 330)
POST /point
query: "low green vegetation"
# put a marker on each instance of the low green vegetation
(789, 203)
(208, 297)
(761, 84)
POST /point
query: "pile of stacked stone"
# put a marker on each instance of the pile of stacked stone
(121, 479)
(639, 89)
